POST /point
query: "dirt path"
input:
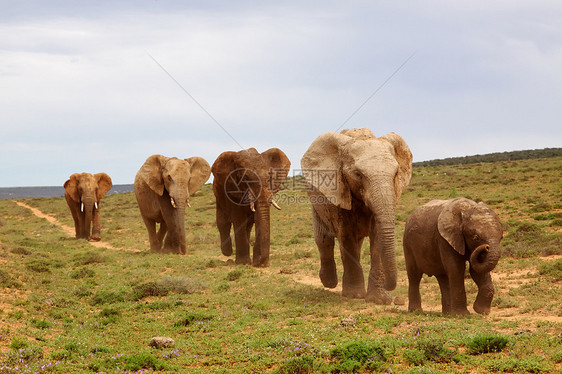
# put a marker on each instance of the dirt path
(69, 231)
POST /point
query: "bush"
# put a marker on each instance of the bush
(298, 365)
(89, 258)
(107, 297)
(413, 357)
(192, 318)
(147, 289)
(143, 360)
(82, 273)
(7, 281)
(234, 275)
(434, 350)
(358, 355)
(487, 344)
(552, 269)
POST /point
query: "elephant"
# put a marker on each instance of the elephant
(439, 238)
(83, 192)
(163, 186)
(354, 180)
(244, 185)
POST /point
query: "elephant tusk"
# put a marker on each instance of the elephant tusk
(188, 204)
(275, 205)
(252, 207)
(173, 202)
(96, 204)
(82, 207)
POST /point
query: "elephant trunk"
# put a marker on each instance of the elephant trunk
(485, 257)
(382, 206)
(173, 209)
(388, 253)
(262, 222)
(87, 208)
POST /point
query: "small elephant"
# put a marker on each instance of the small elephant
(354, 180)
(439, 238)
(163, 186)
(244, 185)
(83, 193)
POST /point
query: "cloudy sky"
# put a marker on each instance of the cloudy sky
(101, 85)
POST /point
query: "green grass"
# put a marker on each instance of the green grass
(67, 306)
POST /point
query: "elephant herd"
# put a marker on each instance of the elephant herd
(353, 180)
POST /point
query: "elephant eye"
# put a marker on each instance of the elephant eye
(357, 174)
(169, 178)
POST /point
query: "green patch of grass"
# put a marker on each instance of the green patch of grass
(297, 365)
(487, 343)
(519, 365)
(7, 281)
(354, 356)
(234, 275)
(552, 269)
(83, 272)
(107, 297)
(89, 258)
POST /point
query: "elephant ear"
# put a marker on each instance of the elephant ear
(450, 222)
(200, 173)
(71, 187)
(151, 173)
(279, 166)
(322, 169)
(403, 156)
(104, 184)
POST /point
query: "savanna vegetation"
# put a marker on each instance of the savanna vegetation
(69, 306)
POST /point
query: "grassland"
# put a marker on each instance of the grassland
(67, 306)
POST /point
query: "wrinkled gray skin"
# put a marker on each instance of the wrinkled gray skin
(354, 180)
(258, 177)
(439, 238)
(163, 186)
(83, 193)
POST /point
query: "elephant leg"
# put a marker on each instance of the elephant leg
(162, 230)
(443, 281)
(325, 244)
(353, 281)
(242, 240)
(483, 301)
(375, 288)
(414, 279)
(224, 225)
(96, 227)
(155, 244)
(457, 294)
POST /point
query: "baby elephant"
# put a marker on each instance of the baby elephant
(439, 238)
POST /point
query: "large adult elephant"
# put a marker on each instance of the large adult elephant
(244, 185)
(163, 186)
(354, 180)
(439, 238)
(83, 192)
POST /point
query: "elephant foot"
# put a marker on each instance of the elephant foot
(94, 239)
(459, 312)
(243, 261)
(481, 309)
(329, 276)
(226, 248)
(379, 296)
(261, 263)
(354, 293)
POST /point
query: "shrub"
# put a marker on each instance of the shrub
(149, 289)
(413, 357)
(434, 350)
(192, 318)
(82, 273)
(7, 281)
(143, 360)
(234, 275)
(487, 343)
(89, 258)
(358, 355)
(107, 297)
(552, 269)
(40, 323)
(298, 365)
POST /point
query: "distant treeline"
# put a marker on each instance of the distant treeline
(494, 157)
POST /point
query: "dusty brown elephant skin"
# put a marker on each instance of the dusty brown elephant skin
(244, 185)
(354, 180)
(163, 186)
(83, 193)
(439, 238)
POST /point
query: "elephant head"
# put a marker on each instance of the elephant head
(244, 184)
(169, 181)
(83, 193)
(354, 165)
(472, 228)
